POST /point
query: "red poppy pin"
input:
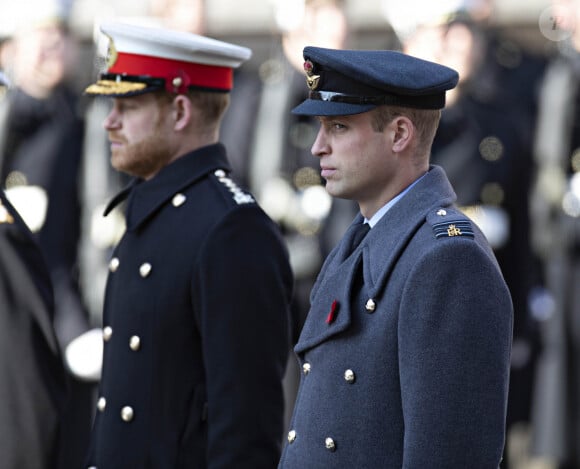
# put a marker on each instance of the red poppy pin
(332, 314)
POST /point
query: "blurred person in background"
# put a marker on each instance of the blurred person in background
(278, 163)
(270, 152)
(556, 239)
(33, 385)
(484, 142)
(41, 134)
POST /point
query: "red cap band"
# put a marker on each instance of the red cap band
(191, 74)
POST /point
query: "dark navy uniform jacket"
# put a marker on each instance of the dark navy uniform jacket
(405, 351)
(195, 326)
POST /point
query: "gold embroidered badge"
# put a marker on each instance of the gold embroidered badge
(452, 230)
(111, 53)
(311, 79)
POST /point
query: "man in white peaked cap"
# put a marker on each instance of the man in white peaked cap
(195, 322)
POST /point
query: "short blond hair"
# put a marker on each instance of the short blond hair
(212, 104)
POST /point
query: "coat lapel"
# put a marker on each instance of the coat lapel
(378, 252)
(388, 239)
(330, 312)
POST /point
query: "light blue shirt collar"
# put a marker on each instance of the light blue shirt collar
(385, 208)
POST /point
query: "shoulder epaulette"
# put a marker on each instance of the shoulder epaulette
(239, 196)
(448, 223)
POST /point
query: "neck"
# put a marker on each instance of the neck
(403, 181)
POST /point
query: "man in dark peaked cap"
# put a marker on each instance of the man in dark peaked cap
(195, 323)
(405, 350)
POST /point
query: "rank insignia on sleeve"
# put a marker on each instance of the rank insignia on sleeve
(450, 229)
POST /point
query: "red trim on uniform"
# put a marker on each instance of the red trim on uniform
(192, 74)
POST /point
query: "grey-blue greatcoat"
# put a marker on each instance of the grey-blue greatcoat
(409, 368)
(195, 326)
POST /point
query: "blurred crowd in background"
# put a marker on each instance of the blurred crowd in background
(509, 140)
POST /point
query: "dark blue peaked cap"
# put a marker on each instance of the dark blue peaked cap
(344, 82)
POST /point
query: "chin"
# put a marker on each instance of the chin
(333, 190)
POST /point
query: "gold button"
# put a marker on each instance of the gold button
(145, 269)
(349, 376)
(178, 199)
(107, 333)
(177, 82)
(306, 368)
(114, 264)
(135, 343)
(127, 413)
(441, 212)
(330, 444)
(291, 436)
(370, 305)
(101, 404)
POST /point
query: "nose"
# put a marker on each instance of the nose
(112, 120)
(320, 146)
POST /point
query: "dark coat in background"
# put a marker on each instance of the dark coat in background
(196, 326)
(405, 352)
(40, 153)
(41, 147)
(33, 386)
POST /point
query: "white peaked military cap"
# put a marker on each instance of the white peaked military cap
(141, 59)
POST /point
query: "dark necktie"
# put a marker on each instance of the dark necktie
(359, 232)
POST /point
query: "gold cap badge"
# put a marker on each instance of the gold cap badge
(311, 79)
(111, 53)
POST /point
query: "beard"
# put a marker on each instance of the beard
(142, 159)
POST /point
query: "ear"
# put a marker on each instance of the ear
(181, 112)
(404, 133)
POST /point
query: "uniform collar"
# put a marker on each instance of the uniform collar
(396, 227)
(385, 208)
(379, 252)
(384, 242)
(144, 197)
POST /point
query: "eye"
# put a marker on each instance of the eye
(336, 126)
(125, 105)
(333, 125)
